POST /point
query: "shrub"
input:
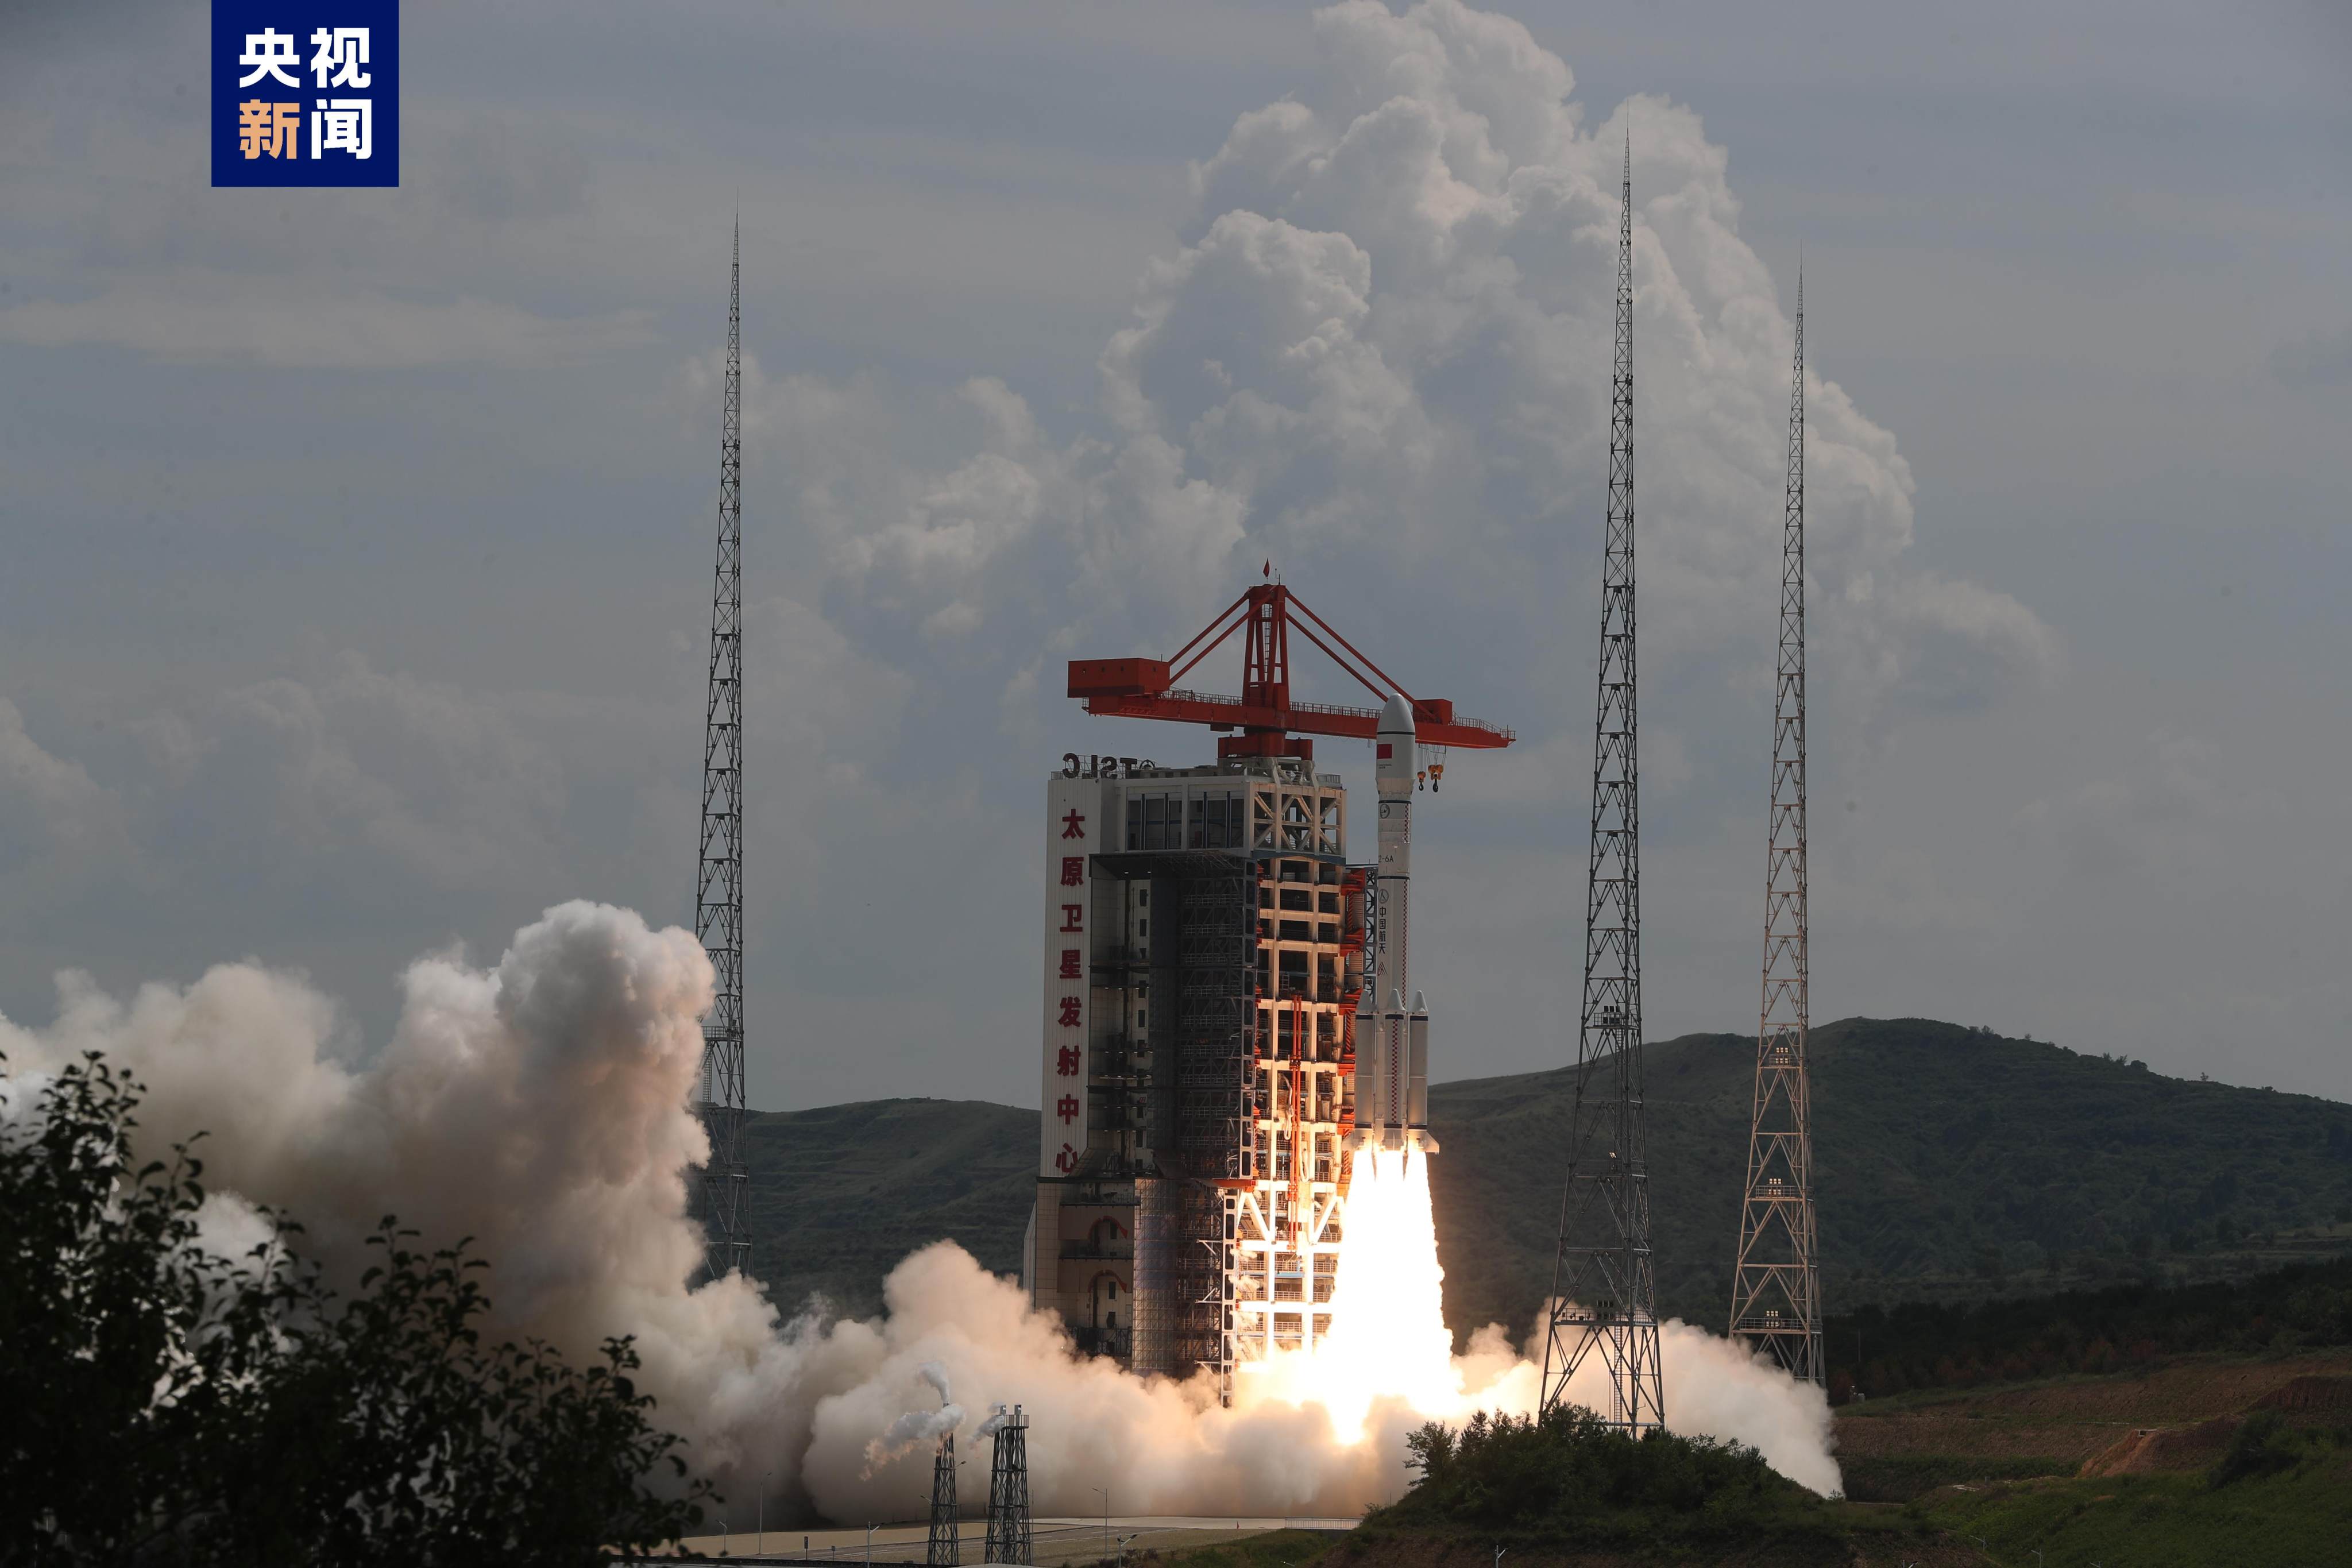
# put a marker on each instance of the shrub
(168, 1404)
(1569, 1474)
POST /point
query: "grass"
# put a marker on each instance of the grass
(1275, 1549)
(2294, 1520)
(1900, 1479)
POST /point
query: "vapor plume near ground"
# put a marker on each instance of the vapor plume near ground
(540, 1105)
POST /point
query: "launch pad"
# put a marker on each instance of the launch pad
(1228, 1011)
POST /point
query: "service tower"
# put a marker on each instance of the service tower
(1205, 959)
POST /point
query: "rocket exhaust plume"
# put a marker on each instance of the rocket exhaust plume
(918, 1429)
(542, 1105)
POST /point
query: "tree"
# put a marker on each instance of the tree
(170, 1405)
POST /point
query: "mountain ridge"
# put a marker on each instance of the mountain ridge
(1952, 1163)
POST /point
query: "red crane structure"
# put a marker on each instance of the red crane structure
(1271, 723)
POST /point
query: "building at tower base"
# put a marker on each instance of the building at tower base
(1203, 957)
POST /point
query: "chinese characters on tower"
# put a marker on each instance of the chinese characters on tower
(306, 94)
(1071, 836)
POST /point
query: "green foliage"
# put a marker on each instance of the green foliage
(1924, 1345)
(2291, 1516)
(2267, 1444)
(1569, 1477)
(1900, 1478)
(168, 1404)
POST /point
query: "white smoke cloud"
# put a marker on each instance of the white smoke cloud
(921, 1429)
(540, 1106)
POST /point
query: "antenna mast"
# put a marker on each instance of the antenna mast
(718, 887)
(1776, 1300)
(1604, 1284)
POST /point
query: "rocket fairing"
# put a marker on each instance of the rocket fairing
(1392, 1079)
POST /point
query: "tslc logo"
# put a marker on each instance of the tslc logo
(305, 92)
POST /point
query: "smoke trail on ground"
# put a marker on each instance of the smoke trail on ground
(541, 1106)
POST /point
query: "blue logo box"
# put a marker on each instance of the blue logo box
(305, 92)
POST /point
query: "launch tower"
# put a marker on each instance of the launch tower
(1776, 1301)
(1604, 1284)
(1205, 955)
(719, 881)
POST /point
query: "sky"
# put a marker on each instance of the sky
(358, 541)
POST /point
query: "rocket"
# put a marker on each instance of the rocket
(1392, 1043)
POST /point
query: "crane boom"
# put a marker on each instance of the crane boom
(1264, 713)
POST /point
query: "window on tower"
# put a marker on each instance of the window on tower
(1155, 822)
(1217, 821)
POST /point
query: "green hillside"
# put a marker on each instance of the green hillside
(840, 1194)
(1950, 1166)
(1953, 1165)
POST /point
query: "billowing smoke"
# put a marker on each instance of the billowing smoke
(917, 1429)
(540, 1106)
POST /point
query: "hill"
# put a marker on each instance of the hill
(1953, 1165)
(840, 1194)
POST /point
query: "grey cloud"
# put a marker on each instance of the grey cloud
(261, 323)
(50, 808)
(2319, 360)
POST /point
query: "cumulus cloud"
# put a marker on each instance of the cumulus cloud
(1380, 357)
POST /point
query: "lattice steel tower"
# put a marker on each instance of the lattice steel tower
(1604, 1285)
(718, 887)
(1775, 1290)
(945, 1547)
(1008, 1539)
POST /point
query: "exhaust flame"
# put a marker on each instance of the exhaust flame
(1389, 1339)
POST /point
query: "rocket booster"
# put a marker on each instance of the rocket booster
(1392, 1043)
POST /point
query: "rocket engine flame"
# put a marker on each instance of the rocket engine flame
(1389, 1340)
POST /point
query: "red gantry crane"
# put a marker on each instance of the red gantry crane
(1269, 720)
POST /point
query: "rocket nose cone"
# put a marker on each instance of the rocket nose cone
(1396, 717)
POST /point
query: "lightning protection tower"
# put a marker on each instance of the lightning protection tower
(1604, 1285)
(719, 884)
(945, 1549)
(1008, 1490)
(1776, 1300)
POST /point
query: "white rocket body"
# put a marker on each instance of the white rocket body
(1392, 1044)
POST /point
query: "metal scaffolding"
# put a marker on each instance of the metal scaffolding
(1776, 1300)
(1604, 1283)
(1008, 1489)
(719, 884)
(945, 1550)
